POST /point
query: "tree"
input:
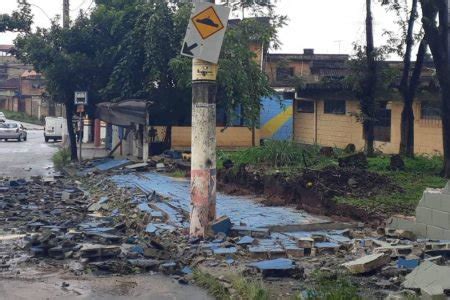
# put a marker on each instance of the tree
(70, 59)
(19, 21)
(435, 24)
(130, 49)
(367, 100)
(409, 83)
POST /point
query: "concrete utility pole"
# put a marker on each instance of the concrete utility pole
(203, 160)
(66, 15)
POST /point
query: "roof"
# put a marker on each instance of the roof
(308, 57)
(29, 73)
(6, 48)
(123, 113)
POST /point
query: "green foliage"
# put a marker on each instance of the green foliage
(21, 117)
(130, 49)
(332, 287)
(420, 173)
(19, 21)
(61, 158)
(386, 75)
(214, 287)
(286, 155)
(245, 289)
(250, 290)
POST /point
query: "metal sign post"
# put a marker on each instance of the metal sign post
(203, 42)
(205, 32)
(81, 100)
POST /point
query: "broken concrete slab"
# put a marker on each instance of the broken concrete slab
(97, 251)
(112, 164)
(147, 264)
(250, 231)
(367, 263)
(281, 267)
(429, 278)
(222, 224)
(246, 240)
(225, 251)
(395, 250)
(137, 166)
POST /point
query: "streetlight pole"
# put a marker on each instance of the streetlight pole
(203, 145)
(66, 11)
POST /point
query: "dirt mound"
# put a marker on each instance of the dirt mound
(311, 190)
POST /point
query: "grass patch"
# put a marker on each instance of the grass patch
(420, 173)
(21, 117)
(284, 155)
(290, 158)
(61, 158)
(245, 289)
(331, 286)
(211, 284)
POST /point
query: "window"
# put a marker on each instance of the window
(382, 128)
(305, 106)
(336, 107)
(430, 110)
(284, 73)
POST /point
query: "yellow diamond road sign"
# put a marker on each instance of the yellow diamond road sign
(207, 22)
(205, 32)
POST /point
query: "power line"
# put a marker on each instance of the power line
(79, 6)
(43, 11)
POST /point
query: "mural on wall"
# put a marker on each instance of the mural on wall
(276, 119)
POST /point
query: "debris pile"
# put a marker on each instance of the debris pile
(94, 224)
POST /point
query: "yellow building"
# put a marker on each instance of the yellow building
(334, 122)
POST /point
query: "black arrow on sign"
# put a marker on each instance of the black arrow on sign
(188, 49)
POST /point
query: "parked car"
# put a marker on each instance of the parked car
(55, 129)
(2, 117)
(12, 131)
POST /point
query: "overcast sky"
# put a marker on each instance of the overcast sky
(328, 26)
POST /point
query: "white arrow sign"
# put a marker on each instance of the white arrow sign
(205, 32)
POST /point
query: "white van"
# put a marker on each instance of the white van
(55, 128)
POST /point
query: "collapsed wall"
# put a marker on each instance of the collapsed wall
(432, 219)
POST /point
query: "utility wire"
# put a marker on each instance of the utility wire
(43, 11)
(79, 6)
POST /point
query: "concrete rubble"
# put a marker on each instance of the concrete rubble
(432, 218)
(120, 220)
(368, 263)
(432, 280)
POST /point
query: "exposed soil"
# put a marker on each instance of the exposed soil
(311, 190)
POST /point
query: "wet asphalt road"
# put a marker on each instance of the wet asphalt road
(26, 159)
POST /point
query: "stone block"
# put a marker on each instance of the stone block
(423, 215)
(432, 198)
(420, 230)
(446, 190)
(402, 223)
(446, 235)
(367, 263)
(445, 203)
(440, 219)
(435, 233)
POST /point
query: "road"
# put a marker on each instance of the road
(26, 159)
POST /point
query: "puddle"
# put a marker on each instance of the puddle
(240, 209)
